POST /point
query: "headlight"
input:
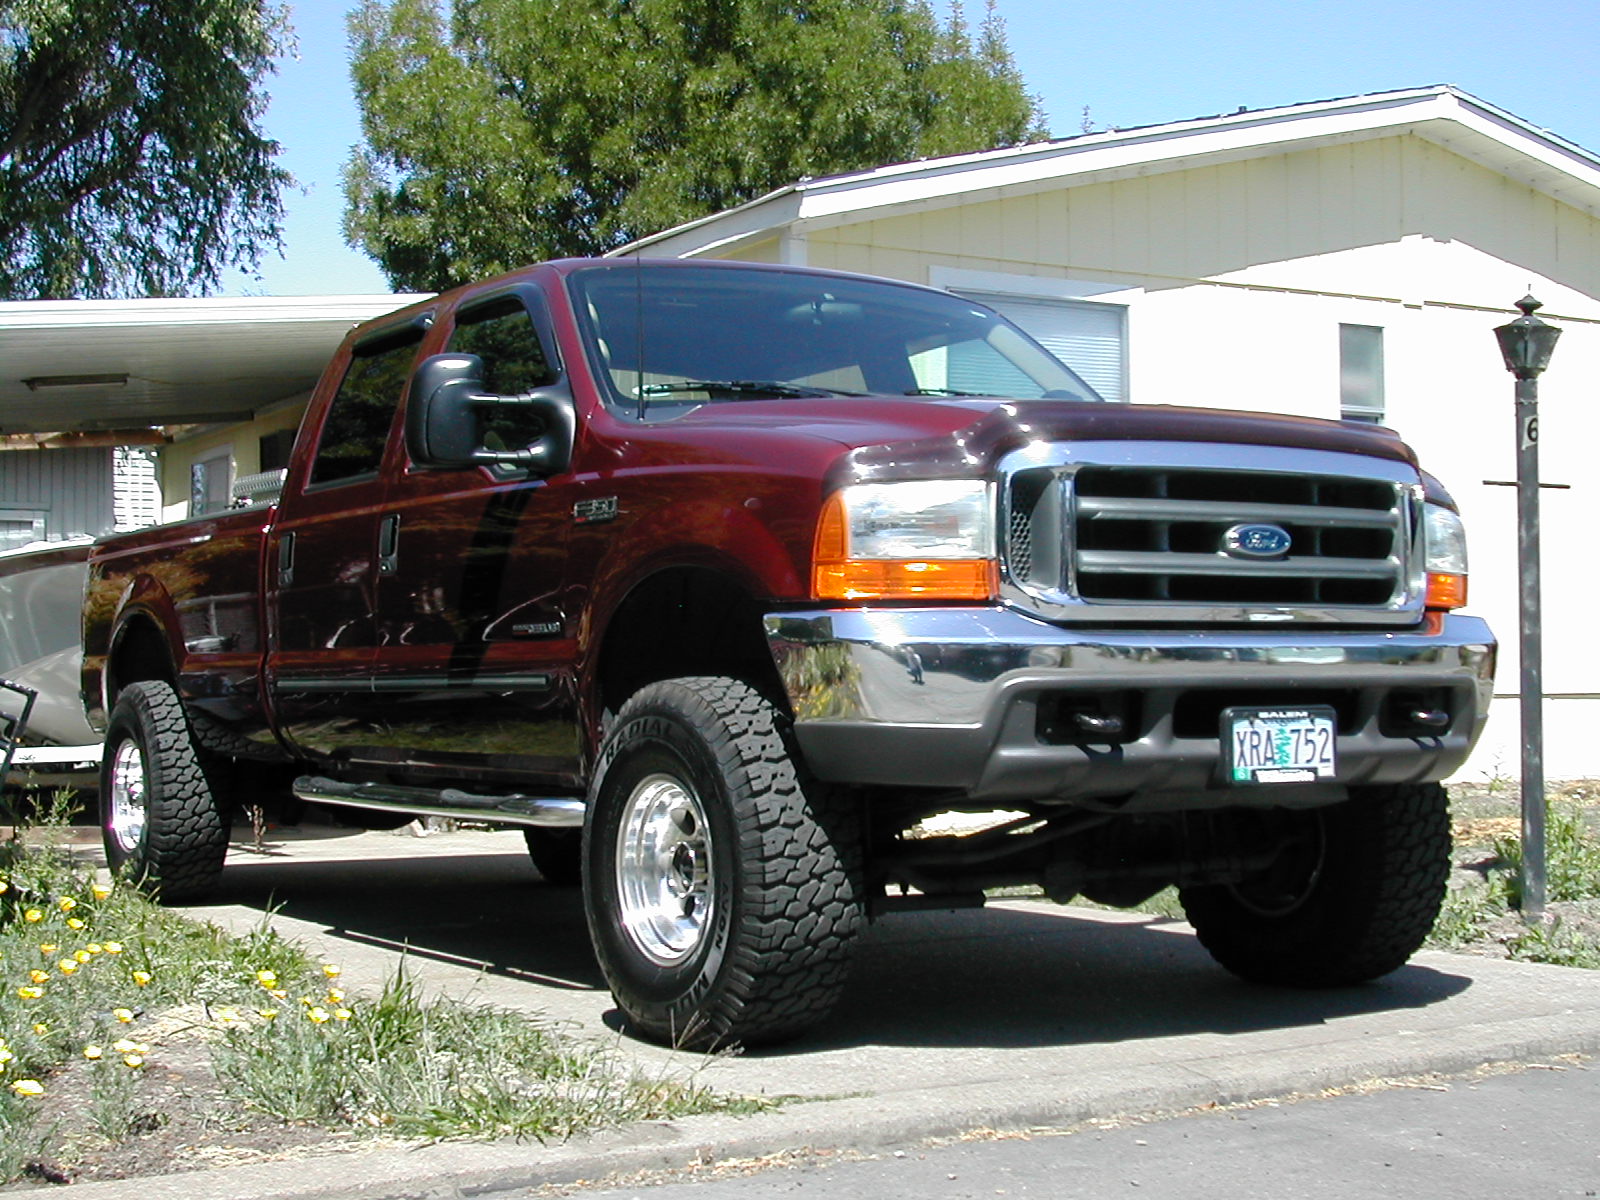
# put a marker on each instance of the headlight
(930, 540)
(1444, 539)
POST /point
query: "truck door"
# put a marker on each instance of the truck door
(321, 559)
(475, 650)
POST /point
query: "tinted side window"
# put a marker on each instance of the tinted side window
(503, 336)
(362, 411)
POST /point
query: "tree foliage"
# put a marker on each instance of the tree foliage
(500, 132)
(131, 161)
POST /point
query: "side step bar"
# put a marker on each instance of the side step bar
(552, 812)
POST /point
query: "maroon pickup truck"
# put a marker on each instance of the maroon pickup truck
(720, 580)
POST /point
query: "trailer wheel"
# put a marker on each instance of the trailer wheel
(722, 893)
(557, 854)
(1351, 896)
(163, 825)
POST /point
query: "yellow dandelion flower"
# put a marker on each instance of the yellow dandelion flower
(342, 1014)
(74, 922)
(66, 904)
(100, 891)
(41, 1028)
(318, 1014)
(142, 978)
(126, 1046)
(48, 948)
(93, 1052)
(4, 887)
(278, 993)
(6, 1055)
(268, 1014)
(30, 993)
(28, 1087)
(38, 976)
(133, 1060)
(113, 947)
(68, 965)
(335, 995)
(83, 956)
(33, 916)
(331, 971)
(122, 1014)
(95, 948)
(267, 978)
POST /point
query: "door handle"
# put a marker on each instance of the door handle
(286, 560)
(389, 544)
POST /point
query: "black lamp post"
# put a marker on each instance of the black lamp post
(1526, 344)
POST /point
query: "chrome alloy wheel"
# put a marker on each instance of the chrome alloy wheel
(664, 870)
(126, 805)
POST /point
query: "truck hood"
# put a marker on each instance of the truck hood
(895, 437)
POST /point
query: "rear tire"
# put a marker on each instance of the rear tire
(557, 854)
(1352, 896)
(163, 825)
(723, 895)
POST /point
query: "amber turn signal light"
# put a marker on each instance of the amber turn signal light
(1446, 591)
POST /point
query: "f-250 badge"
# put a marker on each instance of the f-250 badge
(588, 512)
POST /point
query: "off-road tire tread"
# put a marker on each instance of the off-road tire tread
(186, 831)
(802, 903)
(1379, 897)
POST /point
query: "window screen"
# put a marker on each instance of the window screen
(1361, 373)
(1089, 338)
(357, 427)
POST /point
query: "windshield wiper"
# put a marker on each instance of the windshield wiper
(753, 388)
(941, 392)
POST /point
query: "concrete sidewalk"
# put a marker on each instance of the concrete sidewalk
(1022, 1014)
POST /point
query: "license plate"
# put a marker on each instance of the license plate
(1279, 745)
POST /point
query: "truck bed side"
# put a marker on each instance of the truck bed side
(181, 603)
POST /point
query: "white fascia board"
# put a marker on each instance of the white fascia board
(1495, 137)
(190, 311)
(749, 222)
(1164, 148)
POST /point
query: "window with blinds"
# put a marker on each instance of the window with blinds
(1090, 338)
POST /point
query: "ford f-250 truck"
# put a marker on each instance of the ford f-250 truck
(719, 579)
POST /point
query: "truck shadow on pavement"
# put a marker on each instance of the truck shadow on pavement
(1012, 975)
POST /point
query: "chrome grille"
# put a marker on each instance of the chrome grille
(1111, 539)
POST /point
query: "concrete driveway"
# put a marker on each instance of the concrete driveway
(1020, 1014)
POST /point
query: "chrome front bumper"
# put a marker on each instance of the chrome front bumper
(963, 699)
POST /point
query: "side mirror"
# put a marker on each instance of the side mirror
(446, 411)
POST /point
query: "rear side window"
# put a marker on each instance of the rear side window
(503, 336)
(353, 436)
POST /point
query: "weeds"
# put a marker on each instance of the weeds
(93, 977)
(1487, 912)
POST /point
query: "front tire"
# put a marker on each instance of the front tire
(163, 825)
(722, 894)
(1351, 896)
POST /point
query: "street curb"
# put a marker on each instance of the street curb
(450, 1171)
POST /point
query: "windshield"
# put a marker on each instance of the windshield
(670, 338)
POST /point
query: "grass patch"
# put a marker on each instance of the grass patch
(1486, 915)
(98, 985)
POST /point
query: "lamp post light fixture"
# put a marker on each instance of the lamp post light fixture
(1526, 345)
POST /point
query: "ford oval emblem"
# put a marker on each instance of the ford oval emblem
(1257, 541)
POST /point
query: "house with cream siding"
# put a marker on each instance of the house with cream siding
(1345, 259)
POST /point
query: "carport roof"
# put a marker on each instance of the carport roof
(165, 362)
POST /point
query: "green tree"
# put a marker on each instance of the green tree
(131, 159)
(501, 132)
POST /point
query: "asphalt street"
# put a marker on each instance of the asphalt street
(1505, 1136)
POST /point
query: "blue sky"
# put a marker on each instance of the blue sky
(1141, 62)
